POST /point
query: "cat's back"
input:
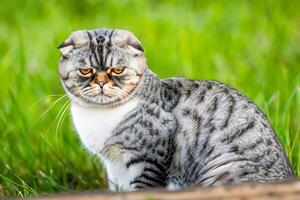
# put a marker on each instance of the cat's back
(222, 136)
(206, 97)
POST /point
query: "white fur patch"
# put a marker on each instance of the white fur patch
(173, 187)
(120, 176)
(95, 125)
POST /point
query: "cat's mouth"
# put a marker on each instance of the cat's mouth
(97, 98)
(98, 92)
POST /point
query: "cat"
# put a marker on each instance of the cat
(173, 133)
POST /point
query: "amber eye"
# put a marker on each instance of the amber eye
(85, 71)
(118, 70)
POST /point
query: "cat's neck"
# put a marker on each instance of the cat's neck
(95, 125)
(149, 87)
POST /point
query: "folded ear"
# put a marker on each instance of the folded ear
(77, 39)
(124, 37)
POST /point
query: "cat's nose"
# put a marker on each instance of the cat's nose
(101, 78)
(100, 84)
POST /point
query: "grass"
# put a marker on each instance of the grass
(251, 45)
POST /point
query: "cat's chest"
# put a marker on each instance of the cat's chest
(95, 125)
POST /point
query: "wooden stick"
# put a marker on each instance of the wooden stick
(283, 190)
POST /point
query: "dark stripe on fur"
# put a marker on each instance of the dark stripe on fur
(142, 159)
(92, 47)
(144, 183)
(238, 133)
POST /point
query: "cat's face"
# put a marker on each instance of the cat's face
(102, 66)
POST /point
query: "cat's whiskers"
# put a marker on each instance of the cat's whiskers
(110, 93)
(59, 112)
(48, 109)
(119, 90)
(44, 97)
(86, 89)
(123, 92)
(61, 115)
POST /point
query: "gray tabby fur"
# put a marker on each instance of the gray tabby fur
(184, 132)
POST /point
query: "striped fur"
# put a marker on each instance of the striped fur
(172, 133)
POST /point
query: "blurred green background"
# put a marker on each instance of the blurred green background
(251, 45)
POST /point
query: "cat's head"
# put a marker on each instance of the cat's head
(102, 66)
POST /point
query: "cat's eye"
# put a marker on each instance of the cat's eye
(86, 71)
(118, 70)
